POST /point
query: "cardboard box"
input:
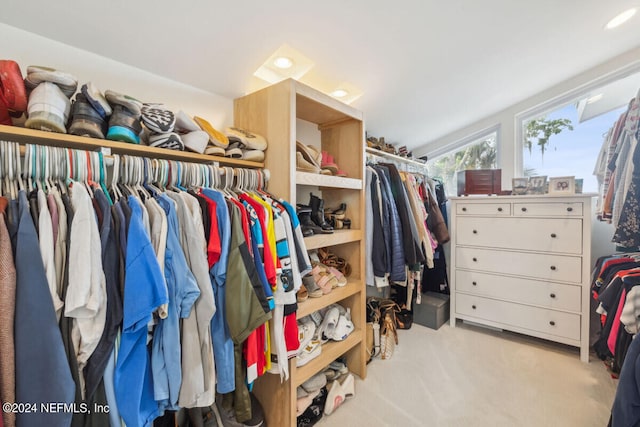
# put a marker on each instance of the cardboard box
(433, 312)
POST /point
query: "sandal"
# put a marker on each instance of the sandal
(312, 288)
(302, 294)
(324, 279)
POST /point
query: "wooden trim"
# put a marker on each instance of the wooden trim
(33, 136)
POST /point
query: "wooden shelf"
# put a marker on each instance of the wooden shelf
(395, 158)
(331, 350)
(321, 109)
(338, 237)
(33, 136)
(318, 180)
(338, 294)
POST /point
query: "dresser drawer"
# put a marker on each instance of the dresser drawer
(557, 323)
(547, 209)
(539, 266)
(545, 294)
(500, 209)
(537, 234)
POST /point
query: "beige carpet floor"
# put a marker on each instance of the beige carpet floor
(472, 376)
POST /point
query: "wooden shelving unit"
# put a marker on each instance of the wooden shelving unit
(273, 112)
(52, 139)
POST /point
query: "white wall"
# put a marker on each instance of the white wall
(508, 150)
(31, 49)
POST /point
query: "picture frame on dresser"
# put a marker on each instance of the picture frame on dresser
(519, 186)
(537, 184)
(562, 185)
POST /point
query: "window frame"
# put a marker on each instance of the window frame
(560, 101)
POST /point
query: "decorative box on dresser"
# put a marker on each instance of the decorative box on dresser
(522, 263)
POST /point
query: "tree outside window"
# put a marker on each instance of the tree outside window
(479, 154)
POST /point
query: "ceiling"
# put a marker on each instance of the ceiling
(426, 67)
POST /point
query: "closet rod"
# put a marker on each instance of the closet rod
(108, 160)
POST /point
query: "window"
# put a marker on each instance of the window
(478, 153)
(565, 139)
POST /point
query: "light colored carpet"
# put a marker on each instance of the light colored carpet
(472, 376)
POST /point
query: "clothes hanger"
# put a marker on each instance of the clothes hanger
(115, 175)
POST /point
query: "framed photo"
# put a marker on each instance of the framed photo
(519, 185)
(537, 184)
(562, 185)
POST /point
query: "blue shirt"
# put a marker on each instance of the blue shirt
(222, 343)
(183, 292)
(144, 292)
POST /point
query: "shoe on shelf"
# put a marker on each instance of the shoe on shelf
(171, 141)
(317, 214)
(338, 393)
(312, 287)
(309, 352)
(343, 328)
(12, 88)
(303, 165)
(216, 138)
(158, 118)
(323, 279)
(85, 120)
(124, 123)
(302, 295)
(308, 227)
(96, 98)
(329, 323)
(48, 108)
(339, 366)
(306, 331)
(315, 383)
(37, 74)
(5, 118)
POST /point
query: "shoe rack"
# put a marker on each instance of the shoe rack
(274, 112)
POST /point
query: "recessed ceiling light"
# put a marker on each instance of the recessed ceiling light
(621, 18)
(339, 93)
(283, 62)
(594, 98)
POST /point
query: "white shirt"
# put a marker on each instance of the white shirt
(45, 228)
(86, 300)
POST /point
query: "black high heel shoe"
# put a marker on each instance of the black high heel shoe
(317, 214)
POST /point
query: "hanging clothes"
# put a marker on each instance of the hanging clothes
(42, 369)
(7, 312)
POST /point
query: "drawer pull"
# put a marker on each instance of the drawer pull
(475, 231)
(569, 209)
(473, 306)
(552, 295)
(499, 209)
(552, 323)
(553, 267)
(464, 209)
(524, 209)
(475, 259)
(474, 283)
(553, 235)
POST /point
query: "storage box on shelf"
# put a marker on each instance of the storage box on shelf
(522, 263)
(274, 112)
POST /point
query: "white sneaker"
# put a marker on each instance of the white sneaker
(306, 330)
(309, 352)
(343, 328)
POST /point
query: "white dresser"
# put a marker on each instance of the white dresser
(522, 263)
